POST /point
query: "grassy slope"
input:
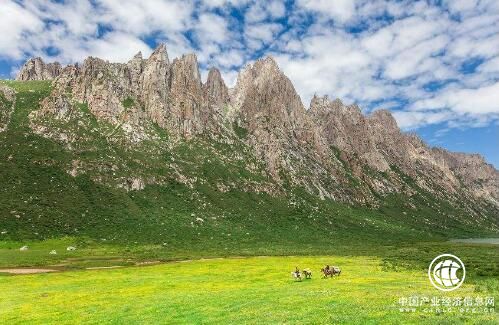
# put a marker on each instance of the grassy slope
(40, 200)
(252, 290)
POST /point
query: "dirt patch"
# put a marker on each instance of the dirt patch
(26, 271)
(64, 266)
(103, 267)
(147, 263)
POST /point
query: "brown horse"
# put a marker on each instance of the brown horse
(332, 271)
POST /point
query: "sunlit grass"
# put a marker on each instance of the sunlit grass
(249, 290)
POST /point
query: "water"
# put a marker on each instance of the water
(493, 241)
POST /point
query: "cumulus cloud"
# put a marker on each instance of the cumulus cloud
(341, 10)
(142, 17)
(212, 27)
(479, 101)
(428, 62)
(70, 31)
(262, 10)
(263, 32)
(410, 120)
(406, 56)
(15, 23)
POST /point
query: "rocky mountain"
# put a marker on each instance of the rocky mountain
(36, 69)
(156, 110)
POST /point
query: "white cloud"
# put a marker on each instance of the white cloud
(15, 23)
(260, 34)
(410, 120)
(490, 66)
(276, 9)
(77, 16)
(385, 63)
(110, 47)
(341, 10)
(141, 17)
(255, 13)
(409, 62)
(230, 58)
(262, 10)
(483, 100)
(212, 27)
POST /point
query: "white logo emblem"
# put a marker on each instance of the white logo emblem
(443, 272)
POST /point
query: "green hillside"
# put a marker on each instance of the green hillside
(40, 199)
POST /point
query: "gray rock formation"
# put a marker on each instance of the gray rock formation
(472, 171)
(347, 129)
(155, 90)
(332, 150)
(36, 69)
(271, 110)
(186, 90)
(377, 143)
(153, 85)
(215, 91)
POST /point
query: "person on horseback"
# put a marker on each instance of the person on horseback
(297, 271)
(327, 268)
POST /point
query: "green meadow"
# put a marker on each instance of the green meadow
(250, 290)
(152, 285)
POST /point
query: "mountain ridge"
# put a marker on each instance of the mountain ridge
(257, 137)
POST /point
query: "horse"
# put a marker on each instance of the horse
(326, 273)
(296, 276)
(332, 271)
(307, 273)
(336, 270)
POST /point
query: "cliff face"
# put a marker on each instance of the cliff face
(331, 150)
(279, 129)
(36, 69)
(141, 91)
(471, 171)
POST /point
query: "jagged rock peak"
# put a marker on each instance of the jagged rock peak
(36, 69)
(138, 56)
(267, 62)
(188, 62)
(214, 75)
(92, 66)
(354, 108)
(264, 77)
(278, 129)
(383, 118)
(160, 54)
(263, 68)
(215, 89)
(320, 105)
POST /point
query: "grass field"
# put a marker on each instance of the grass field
(245, 290)
(383, 251)
(237, 290)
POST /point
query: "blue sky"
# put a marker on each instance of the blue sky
(435, 64)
